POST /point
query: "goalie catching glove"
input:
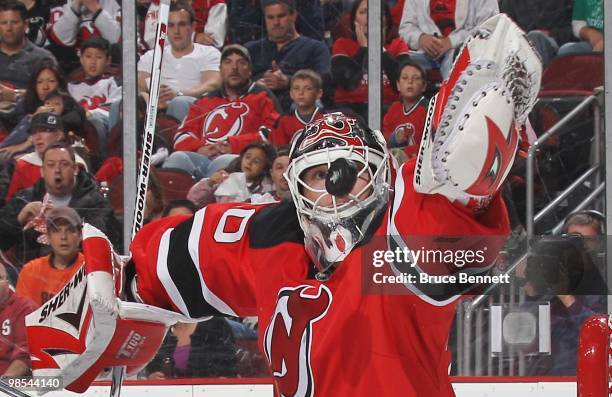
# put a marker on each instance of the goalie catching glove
(472, 128)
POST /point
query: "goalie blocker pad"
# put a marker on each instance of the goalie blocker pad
(472, 128)
(84, 329)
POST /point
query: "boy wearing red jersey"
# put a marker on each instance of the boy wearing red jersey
(305, 90)
(403, 124)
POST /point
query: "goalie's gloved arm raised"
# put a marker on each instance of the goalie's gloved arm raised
(472, 128)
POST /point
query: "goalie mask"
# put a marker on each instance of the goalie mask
(339, 180)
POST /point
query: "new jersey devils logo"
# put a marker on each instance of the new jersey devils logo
(288, 338)
(409, 130)
(92, 102)
(500, 154)
(225, 121)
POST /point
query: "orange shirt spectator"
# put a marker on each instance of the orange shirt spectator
(40, 280)
(43, 277)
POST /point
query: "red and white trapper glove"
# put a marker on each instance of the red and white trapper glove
(473, 125)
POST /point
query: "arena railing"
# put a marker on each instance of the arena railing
(591, 101)
(470, 316)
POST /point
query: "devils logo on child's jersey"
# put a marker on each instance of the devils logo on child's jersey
(410, 131)
(288, 338)
(92, 102)
(225, 121)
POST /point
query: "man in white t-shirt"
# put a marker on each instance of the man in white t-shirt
(189, 70)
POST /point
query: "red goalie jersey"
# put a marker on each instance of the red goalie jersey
(320, 338)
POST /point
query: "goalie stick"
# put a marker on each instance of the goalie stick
(118, 373)
(149, 131)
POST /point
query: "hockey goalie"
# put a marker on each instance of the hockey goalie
(299, 264)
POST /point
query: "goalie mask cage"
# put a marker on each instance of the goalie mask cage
(594, 370)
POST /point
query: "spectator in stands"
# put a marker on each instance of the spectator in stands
(253, 179)
(45, 129)
(223, 122)
(113, 164)
(63, 184)
(70, 111)
(245, 20)
(306, 90)
(210, 18)
(211, 26)
(18, 56)
(14, 353)
(279, 166)
(148, 14)
(437, 28)
(76, 21)
(585, 223)
(37, 17)
(590, 225)
(204, 194)
(284, 51)
(404, 122)
(46, 78)
(560, 270)
(587, 25)
(255, 163)
(43, 277)
(204, 349)
(350, 61)
(97, 90)
(189, 69)
(58, 102)
(548, 23)
(176, 207)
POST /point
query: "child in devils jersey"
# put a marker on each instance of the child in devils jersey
(403, 124)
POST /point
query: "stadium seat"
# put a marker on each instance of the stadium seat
(175, 183)
(115, 195)
(166, 128)
(572, 75)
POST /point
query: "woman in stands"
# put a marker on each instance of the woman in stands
(350, 61)
(46, 79)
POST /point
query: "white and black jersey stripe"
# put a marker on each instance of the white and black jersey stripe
(178, 269)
